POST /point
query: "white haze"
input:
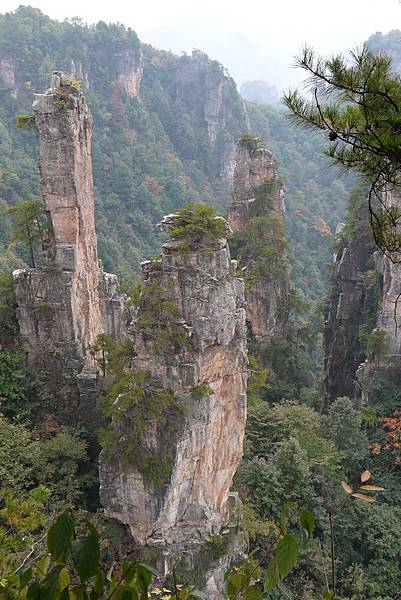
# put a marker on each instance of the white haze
(254, 40)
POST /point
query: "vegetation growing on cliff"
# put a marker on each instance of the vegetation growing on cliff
(197, 226)
(136, 404)
(262, 248)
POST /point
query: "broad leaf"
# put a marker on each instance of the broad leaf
(287, 554)
(145, 576)
(41, 567)
(238, 580)
(364, 498)
(346, 487)
(53, 583)
(308, 522)
(253, 593)
(33, 591)
(25, 577)
(372, 488)
(366, 475)
(60, 535)
(64, 579)
(99, 584)
(272, 578)
(126, 592)
(85, 554)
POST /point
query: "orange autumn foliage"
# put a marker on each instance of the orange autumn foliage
(392, 429)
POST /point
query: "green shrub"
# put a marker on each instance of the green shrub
(25, 121)
(195, 223)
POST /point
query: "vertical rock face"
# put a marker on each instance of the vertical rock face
(257, 209)
(211, 97)
(199, 356)
(7, 75)
(130, 72)
(349, 298)
(67, 301)
(388, 362)
(364, 302)
(64, 126)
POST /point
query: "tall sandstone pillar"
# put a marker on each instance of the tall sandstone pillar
(66, 301)
(256, 216)
(171, 487)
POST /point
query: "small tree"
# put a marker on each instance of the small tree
(377, 344)
(30, 227)
(194, 223)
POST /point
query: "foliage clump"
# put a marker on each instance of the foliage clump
(158, 318)
(25, 121)
(262, 247)
(197, 225)
(8, 317)
(30, 225)
(201, 391)
(135, 405)
(251, 142)
(356, 101)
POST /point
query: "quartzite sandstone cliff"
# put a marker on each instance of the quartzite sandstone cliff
(67, 301)
(179, 514)
(257, 208)
(366, 287)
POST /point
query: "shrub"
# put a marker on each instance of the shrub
(194, 223)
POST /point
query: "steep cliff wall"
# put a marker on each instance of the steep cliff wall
(205, 90)
(350, 301)
(66, 302)
(190, 343)
(256, 216)
(362, 337)
(384, 358)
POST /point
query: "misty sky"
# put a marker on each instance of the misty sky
(254, 40)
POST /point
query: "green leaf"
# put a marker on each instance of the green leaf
(109, 575)
(60, 535)
(25, 577)
(253, 593)
(287, 554)
(42, 566)
(51, 585)
(308, 523)
(237, 580)
(145, 575)
(85, 553)
(64, 579)
(33, 591)
(99, 583)
(126, 592)
(93, 530)
(272, 578)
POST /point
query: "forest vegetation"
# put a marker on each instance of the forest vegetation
(321, 490)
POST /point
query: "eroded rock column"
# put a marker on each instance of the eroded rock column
(67, 301)
(256, 216)
(190, 341)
